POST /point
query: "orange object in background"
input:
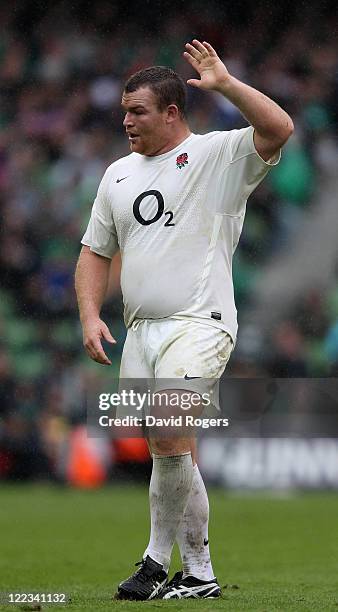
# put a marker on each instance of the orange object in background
(131, 450)
(87, 464)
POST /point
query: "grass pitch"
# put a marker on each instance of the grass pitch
(281, 552)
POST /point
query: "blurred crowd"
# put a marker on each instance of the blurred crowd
(62, 69)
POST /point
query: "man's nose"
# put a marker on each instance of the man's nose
(127, 122)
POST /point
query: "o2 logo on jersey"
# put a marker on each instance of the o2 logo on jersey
(159, 212)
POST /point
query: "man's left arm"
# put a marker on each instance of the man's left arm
(272, 125)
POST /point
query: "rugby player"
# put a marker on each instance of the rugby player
(175, 207)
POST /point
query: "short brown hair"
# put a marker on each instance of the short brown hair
(164, 82)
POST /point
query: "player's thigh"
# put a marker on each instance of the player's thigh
(194, 358)
(133, 362)
(135, 371)
(194, 351)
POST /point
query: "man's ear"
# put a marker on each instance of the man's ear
(172, 113)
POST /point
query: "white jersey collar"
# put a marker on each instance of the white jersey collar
(157, 158)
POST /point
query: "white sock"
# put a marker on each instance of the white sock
(169, 491)
(193, 532)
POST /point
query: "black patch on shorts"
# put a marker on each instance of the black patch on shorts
(216, 315)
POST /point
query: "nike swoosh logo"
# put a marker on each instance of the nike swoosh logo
(121, 179)
(205, 542)
(190, 377)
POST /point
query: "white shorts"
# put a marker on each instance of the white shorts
(178, 351)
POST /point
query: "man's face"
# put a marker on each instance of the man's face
(145, 124)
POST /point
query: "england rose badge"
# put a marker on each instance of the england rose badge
(182, 160)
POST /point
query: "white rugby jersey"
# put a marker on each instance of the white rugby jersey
(177, 219)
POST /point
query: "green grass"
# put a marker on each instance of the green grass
(281, 552)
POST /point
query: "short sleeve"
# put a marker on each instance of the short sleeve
(101, 234)
(243, 169)
(247, 165)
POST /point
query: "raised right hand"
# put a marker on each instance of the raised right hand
(204, 59)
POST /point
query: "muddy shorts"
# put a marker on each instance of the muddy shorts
(176, 354)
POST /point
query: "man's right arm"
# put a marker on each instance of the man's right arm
(91, 281)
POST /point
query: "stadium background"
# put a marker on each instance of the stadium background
(62, 69)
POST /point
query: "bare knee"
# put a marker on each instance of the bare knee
(169, 446)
